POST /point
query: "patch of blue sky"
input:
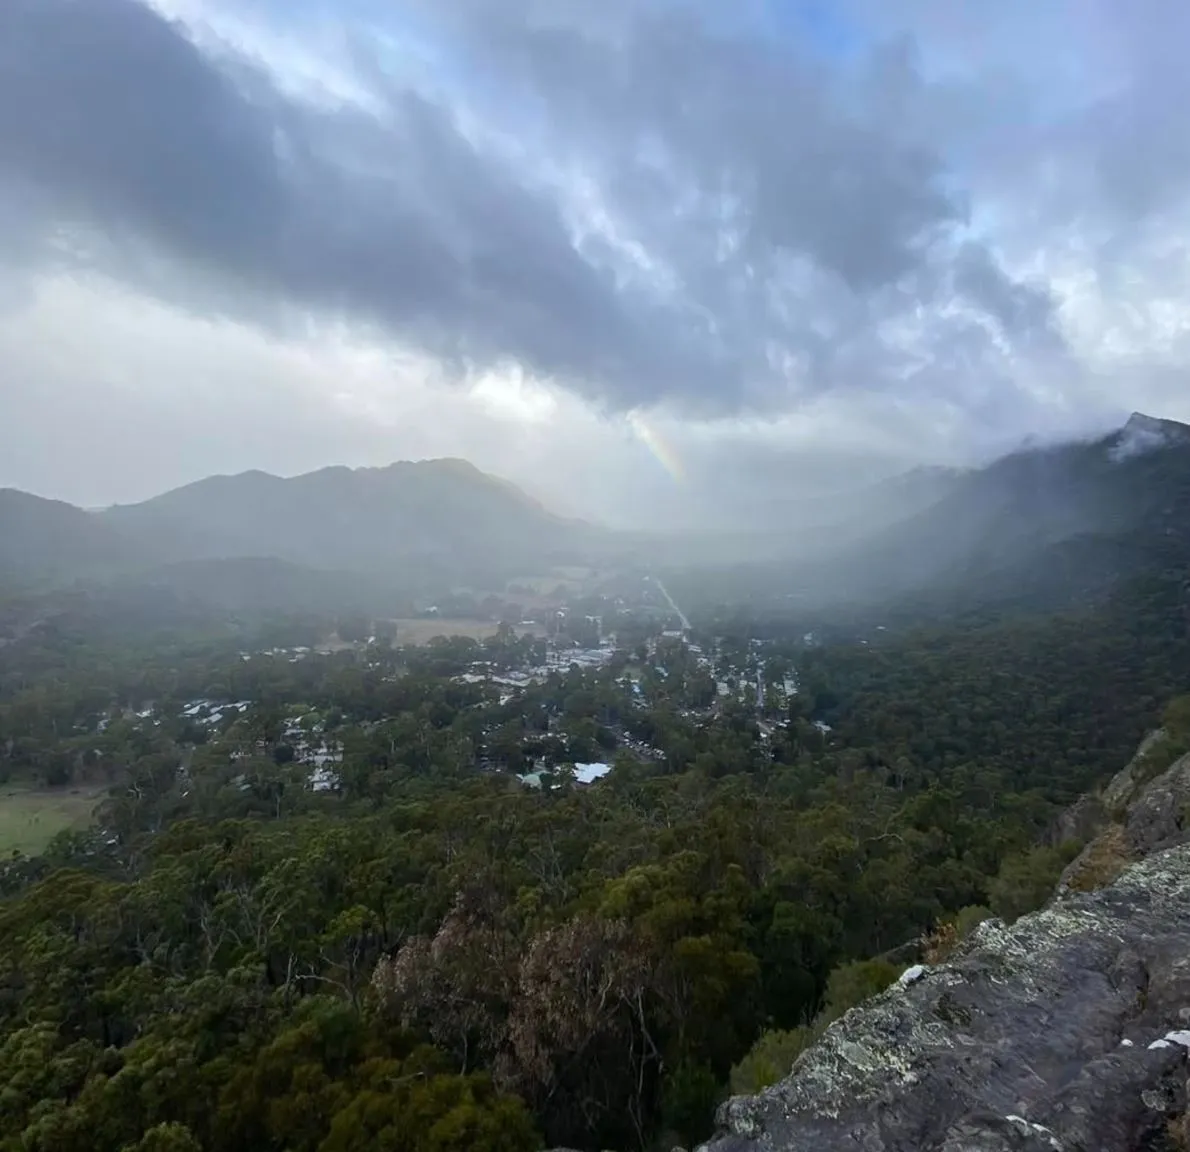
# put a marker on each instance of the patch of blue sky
(816, 28)
(820, 28)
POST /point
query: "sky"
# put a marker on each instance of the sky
(652, 259)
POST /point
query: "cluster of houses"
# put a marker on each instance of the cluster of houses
(742, 678)
(209, 712)
(293, 655)
(559, 658)
(304, 734)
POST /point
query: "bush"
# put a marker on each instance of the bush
(940, 945)
(688, 1104)
(1027, 880)
(852, 984)
(770, 1059)
(1161, 754)
(1105, 858)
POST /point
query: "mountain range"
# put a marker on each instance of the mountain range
(1067, 519)
(1063, 522)
(1048, 526)
(412, 524)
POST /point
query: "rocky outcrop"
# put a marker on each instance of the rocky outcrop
(1090, 814)
(1080, 821)
(1152, 815)
(1160, 816)
(1122, 787)
(1069, 1030)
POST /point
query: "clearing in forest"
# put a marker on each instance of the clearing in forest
(31, 817)
(421, 631)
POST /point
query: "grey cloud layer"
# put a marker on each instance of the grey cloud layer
(115, 117)
(791, 228)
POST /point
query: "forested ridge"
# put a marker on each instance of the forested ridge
(432, 957)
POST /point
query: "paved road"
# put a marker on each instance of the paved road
(670, 601)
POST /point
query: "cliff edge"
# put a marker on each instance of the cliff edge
(1067, 1031)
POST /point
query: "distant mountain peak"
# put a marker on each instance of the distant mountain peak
(1143, 433)
(426, 464)
(1142, 421)
(454, 464)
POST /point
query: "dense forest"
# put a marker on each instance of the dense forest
(423, 954)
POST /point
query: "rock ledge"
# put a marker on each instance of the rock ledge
(1069, 1031)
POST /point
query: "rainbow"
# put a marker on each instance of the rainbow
(663, 452)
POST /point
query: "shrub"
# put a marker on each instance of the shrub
(770, 1059)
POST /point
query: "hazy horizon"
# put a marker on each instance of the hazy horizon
(840, 478)
(846, 483)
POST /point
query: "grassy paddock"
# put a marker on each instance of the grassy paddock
(423, 631)
(31, 817)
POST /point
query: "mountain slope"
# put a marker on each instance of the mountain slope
(441, 517)
(49, 540)
(1040, 529)
(1067, 521)
(329, 538)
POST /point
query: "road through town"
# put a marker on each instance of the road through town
(673, 605)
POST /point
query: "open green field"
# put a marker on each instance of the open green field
(31, 817)
(423, 631)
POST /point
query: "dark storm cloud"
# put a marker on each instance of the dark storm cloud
(743, 121)
(120, 121)
(782, 224)
(114, 114)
